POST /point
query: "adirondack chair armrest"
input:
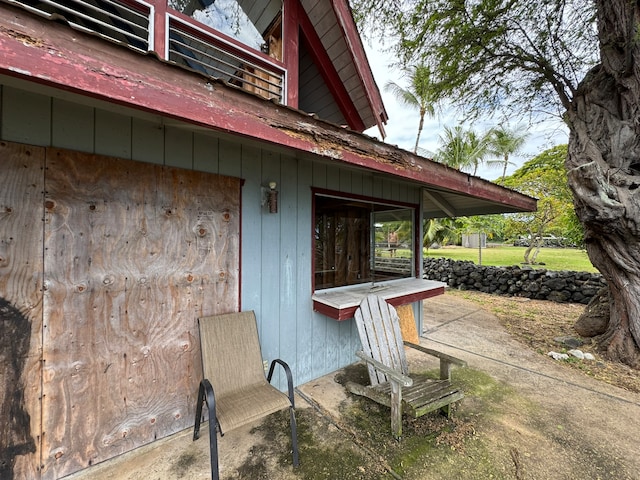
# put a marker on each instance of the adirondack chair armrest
(391, 374)
(446, 361)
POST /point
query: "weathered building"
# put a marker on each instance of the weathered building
(160, 161)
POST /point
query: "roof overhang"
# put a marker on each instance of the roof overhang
(51, 54)
(333, 21)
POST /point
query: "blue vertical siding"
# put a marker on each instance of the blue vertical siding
(178, 148)
(251, 245)
(147, 141)
(304, 367)
(269, 268)
(205, 153)
(26, 117)
(72, 126)
(276, 279)
(113, 134)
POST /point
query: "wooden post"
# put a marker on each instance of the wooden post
(396, 409)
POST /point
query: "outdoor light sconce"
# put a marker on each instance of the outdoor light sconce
(270, 197)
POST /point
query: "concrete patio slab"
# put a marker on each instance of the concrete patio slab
(581, 428)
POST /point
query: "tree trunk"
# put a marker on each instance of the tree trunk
(420, 126)
(533, 259)
(604, 171)
(532, 251)
(504, 168)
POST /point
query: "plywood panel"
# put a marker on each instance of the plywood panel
(21, 187)
(134, 253)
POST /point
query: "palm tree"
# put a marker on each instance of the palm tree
(462, 149)
(452, 151)
(504, 142)
(440, 230)
(476, 149)
(416, 95)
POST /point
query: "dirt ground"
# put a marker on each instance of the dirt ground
(524, 415)
(537, 323)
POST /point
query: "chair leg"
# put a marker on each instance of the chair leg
(196, 424)
(396, 410)
(292, 409)
(205, 394)
(294, 437)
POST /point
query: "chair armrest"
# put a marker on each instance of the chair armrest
(206, 395)
(446, 361)
(394, 375)
(287, 371)
(442, 356)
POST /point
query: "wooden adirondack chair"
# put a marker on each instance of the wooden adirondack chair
(383, 352)
(234, 386)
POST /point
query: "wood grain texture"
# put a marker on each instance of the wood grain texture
(20, 308)
(134, 253)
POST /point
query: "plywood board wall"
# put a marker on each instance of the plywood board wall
(110, 262)
(21, 190)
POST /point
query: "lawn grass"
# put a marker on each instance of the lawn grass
(502, 256)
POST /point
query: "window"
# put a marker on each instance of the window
(219, 50)
(223, 15)
(361, 241)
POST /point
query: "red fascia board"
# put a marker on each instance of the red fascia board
(354, 41)
(291, 45)
(48, 53)
(319, 55)
(159, 28)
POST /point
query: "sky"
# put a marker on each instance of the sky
(402, 127)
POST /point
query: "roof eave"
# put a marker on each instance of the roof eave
(347, 23)
(48, 53)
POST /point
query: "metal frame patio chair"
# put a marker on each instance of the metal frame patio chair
(234, 386)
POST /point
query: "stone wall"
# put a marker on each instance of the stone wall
(540, 284)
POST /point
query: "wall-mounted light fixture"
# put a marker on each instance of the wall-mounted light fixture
(271, 199)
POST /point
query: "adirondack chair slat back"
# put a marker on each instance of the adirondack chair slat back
(231, 351)
(379, 329)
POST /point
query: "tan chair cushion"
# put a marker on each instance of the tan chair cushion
(232, 362)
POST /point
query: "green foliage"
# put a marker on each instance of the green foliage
(545, 178)
(463, 149)
(489, 55)
(417, 95)
(492, 225)
(572, 259)
(441, 231)
(503, 142)
(467, 150)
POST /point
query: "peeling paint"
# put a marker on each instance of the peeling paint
(25, 39)
(21, 72)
